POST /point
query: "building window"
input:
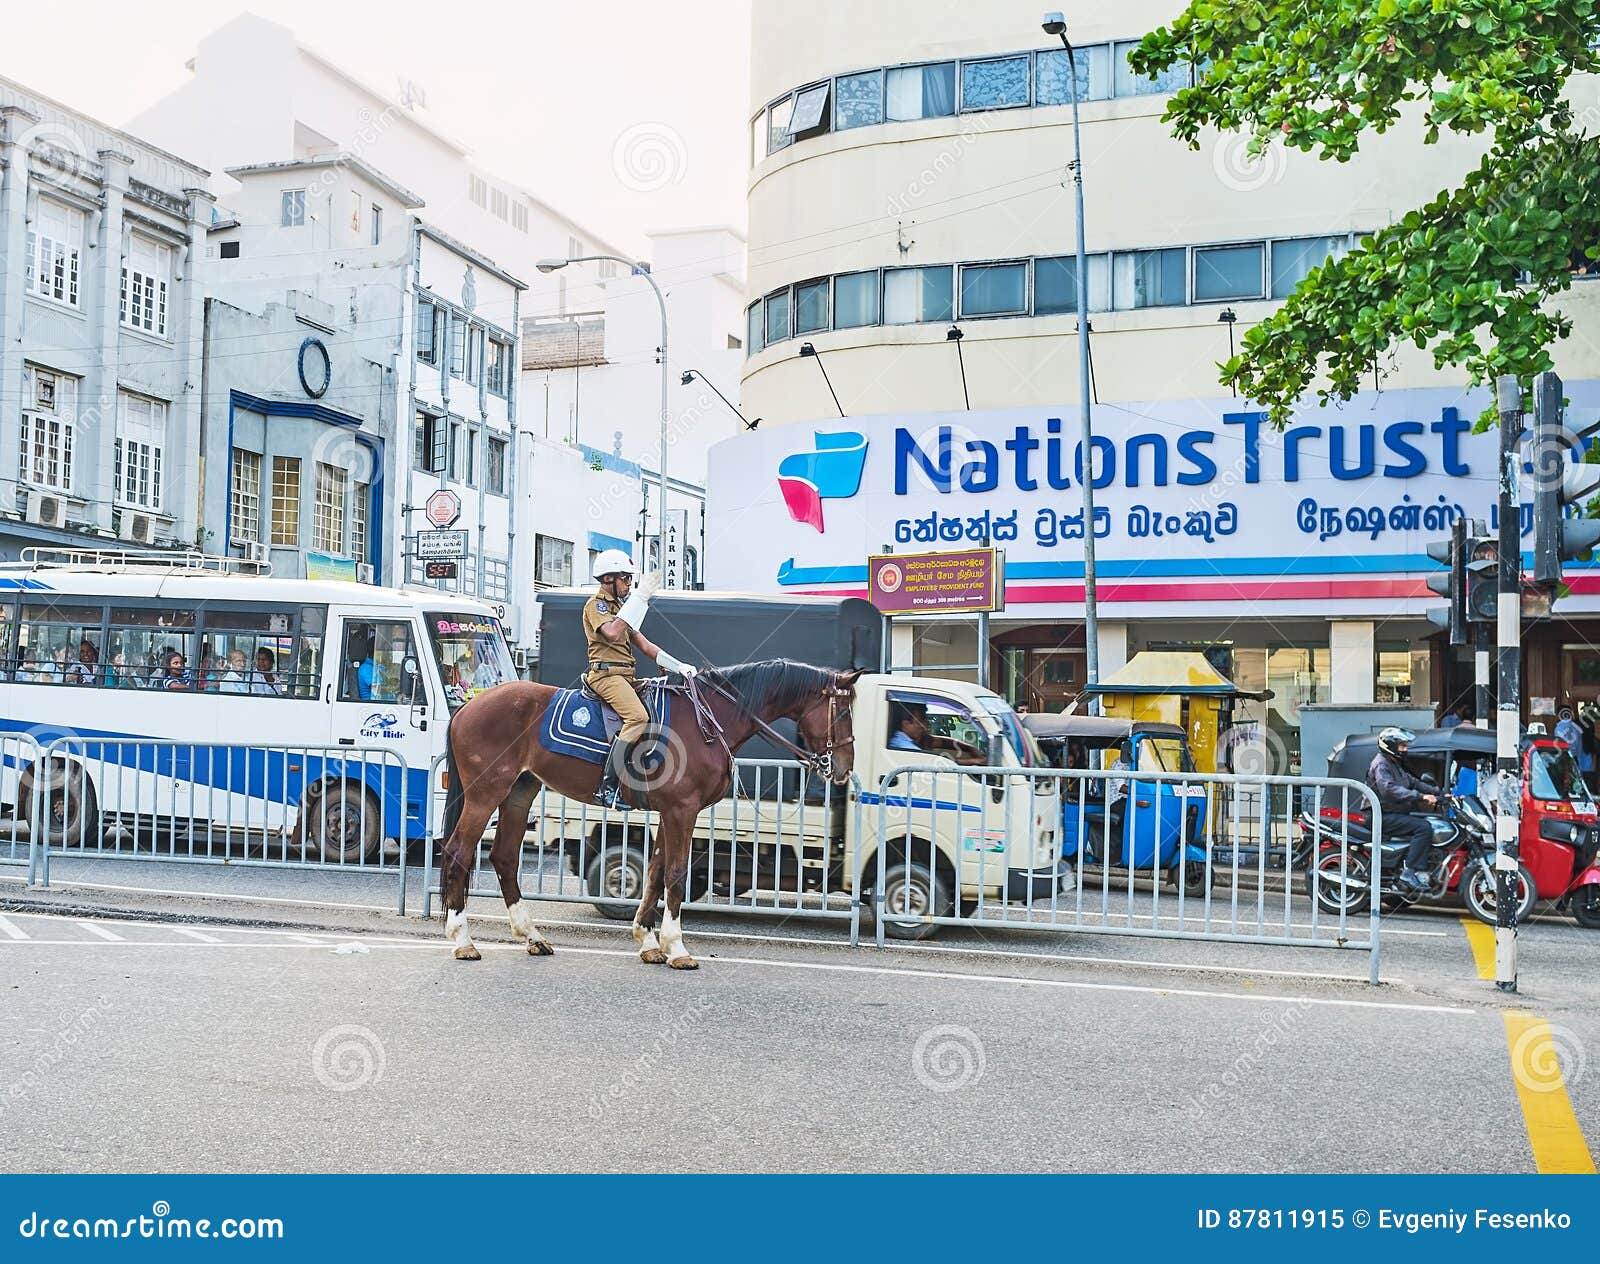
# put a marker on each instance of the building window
(552, 561)
(811, 306)
(358, 521)
(495, 473)
(463, 455)
(574, 247)
(858, 100)
(607, 269)
(994, 289)
(1055, 284)
(228, 250)
(1131, 85)
(478, 190)
(286, 501)
(499, 204)
(519, 216)
(1147, 278)
(49, 424)
(1292, 261)
(914, 92)
(137, 450)
(377, 224)
(855, 300)
(777, 316)
(427, 332)
(458, 348)
(778, 115)
(55, 248)
(916, 294)
(428, 454)
(499, 366)
(474, 369)
(244, 510)
(994, 85)
(146, 278)
(1052, 75)
(328, 509)
(810, 117)
(753, 328)
(292, 208)
(1228, 272)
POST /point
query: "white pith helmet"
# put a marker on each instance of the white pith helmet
(613, 562)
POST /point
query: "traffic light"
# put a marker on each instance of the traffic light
(1483, 578)
(1557, 483)
(1452, 585)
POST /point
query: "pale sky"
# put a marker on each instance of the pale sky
(543, 91)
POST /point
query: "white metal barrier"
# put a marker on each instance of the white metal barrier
(304, 807)
(1126, 852)
(18, 751)
(784, 842)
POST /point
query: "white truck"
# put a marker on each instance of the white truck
(785, 841)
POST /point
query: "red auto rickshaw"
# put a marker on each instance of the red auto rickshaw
(1560, 822)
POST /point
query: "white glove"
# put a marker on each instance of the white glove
(633, 609)
(646, 585)
(667, 662)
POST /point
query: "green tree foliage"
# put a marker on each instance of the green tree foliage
(1469, 276)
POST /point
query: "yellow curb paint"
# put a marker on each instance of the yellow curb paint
(1480, 938)
(1553, 1131)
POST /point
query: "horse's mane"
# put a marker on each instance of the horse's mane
(779, 683)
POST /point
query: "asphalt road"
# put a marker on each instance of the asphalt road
(350, 1044)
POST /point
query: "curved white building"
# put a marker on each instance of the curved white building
(910, 176)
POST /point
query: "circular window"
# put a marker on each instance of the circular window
(316, 370)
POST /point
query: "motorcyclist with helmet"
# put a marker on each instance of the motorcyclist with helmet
(1399, 792)
(611, 620)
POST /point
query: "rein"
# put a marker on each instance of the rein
(819, 762)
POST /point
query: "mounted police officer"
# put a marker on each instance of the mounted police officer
(611, 620)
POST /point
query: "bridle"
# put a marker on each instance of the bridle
(818, 762)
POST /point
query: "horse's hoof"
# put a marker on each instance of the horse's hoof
(468, 952)
(684, 963)
(653, 957)
(540, 948)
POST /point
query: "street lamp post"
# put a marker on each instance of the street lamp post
(1055, 24)
(640, 268)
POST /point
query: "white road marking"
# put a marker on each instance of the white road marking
(102, 932)
(10, 931)
(194, 934)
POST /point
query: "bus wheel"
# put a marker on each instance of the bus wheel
(344, 823)
(912, 890)
(617, 873)
(62, 798)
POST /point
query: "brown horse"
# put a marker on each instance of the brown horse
(496, 763)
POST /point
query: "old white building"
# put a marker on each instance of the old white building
(101, 315)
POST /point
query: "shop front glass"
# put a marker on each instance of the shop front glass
(1296, 676)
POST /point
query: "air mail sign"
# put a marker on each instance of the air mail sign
(1191, 490)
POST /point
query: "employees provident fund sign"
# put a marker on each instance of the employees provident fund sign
(937, 583)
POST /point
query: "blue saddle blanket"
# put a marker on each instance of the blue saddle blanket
(578, 724)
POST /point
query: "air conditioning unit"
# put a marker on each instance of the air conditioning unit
(522, 657)
(139, 528)
(45, 510)
(254, 551)
(364, 572)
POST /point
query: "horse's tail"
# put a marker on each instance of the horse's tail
(455, 794)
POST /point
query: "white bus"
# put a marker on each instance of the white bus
(192, 654)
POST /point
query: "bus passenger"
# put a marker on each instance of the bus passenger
(265, 682)
(176, 674)
(236, 678)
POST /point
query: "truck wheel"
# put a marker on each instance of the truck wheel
(62, 799)
(618, 873)
(1478, 892)
(912, 890)
(1586, 907)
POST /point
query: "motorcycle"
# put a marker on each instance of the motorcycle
(1461, 855)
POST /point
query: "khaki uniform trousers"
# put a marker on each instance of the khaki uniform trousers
(617, 688)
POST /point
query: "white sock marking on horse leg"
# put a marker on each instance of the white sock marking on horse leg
(646, 939)
(672, 936)
(522, 922)
(455, 929)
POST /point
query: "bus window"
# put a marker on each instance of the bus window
(246, 649)
(151, 648)
(372, 666)
(59, 645)
(471, 653)
(302, 669)
(7, 641)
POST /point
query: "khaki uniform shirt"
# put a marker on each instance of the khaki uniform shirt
(605, 654)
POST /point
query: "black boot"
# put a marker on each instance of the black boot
(609, 792)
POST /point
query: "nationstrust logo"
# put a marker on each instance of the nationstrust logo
(831, 472)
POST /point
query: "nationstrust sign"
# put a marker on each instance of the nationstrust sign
(1196, 500)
